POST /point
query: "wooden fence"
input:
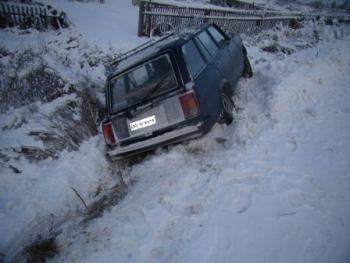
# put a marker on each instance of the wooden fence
(157, 17)
(236, 4)
(31, 16)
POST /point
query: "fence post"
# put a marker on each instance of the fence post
(206, 13)
(141, 19)
(45, 19)
(2, 17)
(148, 20)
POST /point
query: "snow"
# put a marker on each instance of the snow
(276, 191)
(114, 17)
(272, 187)
(44, 190)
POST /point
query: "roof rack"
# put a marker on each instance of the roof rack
(139, 48)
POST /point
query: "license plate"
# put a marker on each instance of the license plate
(149, 121)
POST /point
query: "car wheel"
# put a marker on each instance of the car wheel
(226, 115)
(247, 72)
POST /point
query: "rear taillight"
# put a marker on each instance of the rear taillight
(189, 105)
(108, 133)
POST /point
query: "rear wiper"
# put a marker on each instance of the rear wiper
(155, 88)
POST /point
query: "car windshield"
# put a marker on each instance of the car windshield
(146, 81)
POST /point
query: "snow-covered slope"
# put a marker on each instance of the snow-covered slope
(277, 190)
(272, 187)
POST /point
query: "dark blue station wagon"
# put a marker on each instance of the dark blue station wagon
(172, 89)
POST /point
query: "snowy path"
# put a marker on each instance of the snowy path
(275, 190)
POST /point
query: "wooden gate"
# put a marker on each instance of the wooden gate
(30, 16)
(157, 17)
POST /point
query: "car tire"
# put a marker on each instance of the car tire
(226, 115)
(247, 72)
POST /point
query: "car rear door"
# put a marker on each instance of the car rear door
(220, 56)
(206, 78)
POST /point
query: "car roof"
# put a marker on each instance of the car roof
(167, 42)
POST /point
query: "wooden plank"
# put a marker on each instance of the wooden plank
(41, 17)
(29, 17)
(3, 16)
(19, 15)
(45, 19)
(149, 24)
(14, 14)
(9, 15)
(32, 16)
(36, 20)
(141, 19)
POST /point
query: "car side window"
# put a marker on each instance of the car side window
(193, 58)
(208, 42)
(203, 50)
(217, 35)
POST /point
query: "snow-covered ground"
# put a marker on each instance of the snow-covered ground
(272, 187)
(113, 24)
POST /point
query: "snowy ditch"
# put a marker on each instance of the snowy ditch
(182, 200)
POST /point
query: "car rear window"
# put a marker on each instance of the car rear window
(208, 42)
(193, 58)
(146, 81)
(216, 34)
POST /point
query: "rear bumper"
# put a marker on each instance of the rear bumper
(188, 132)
